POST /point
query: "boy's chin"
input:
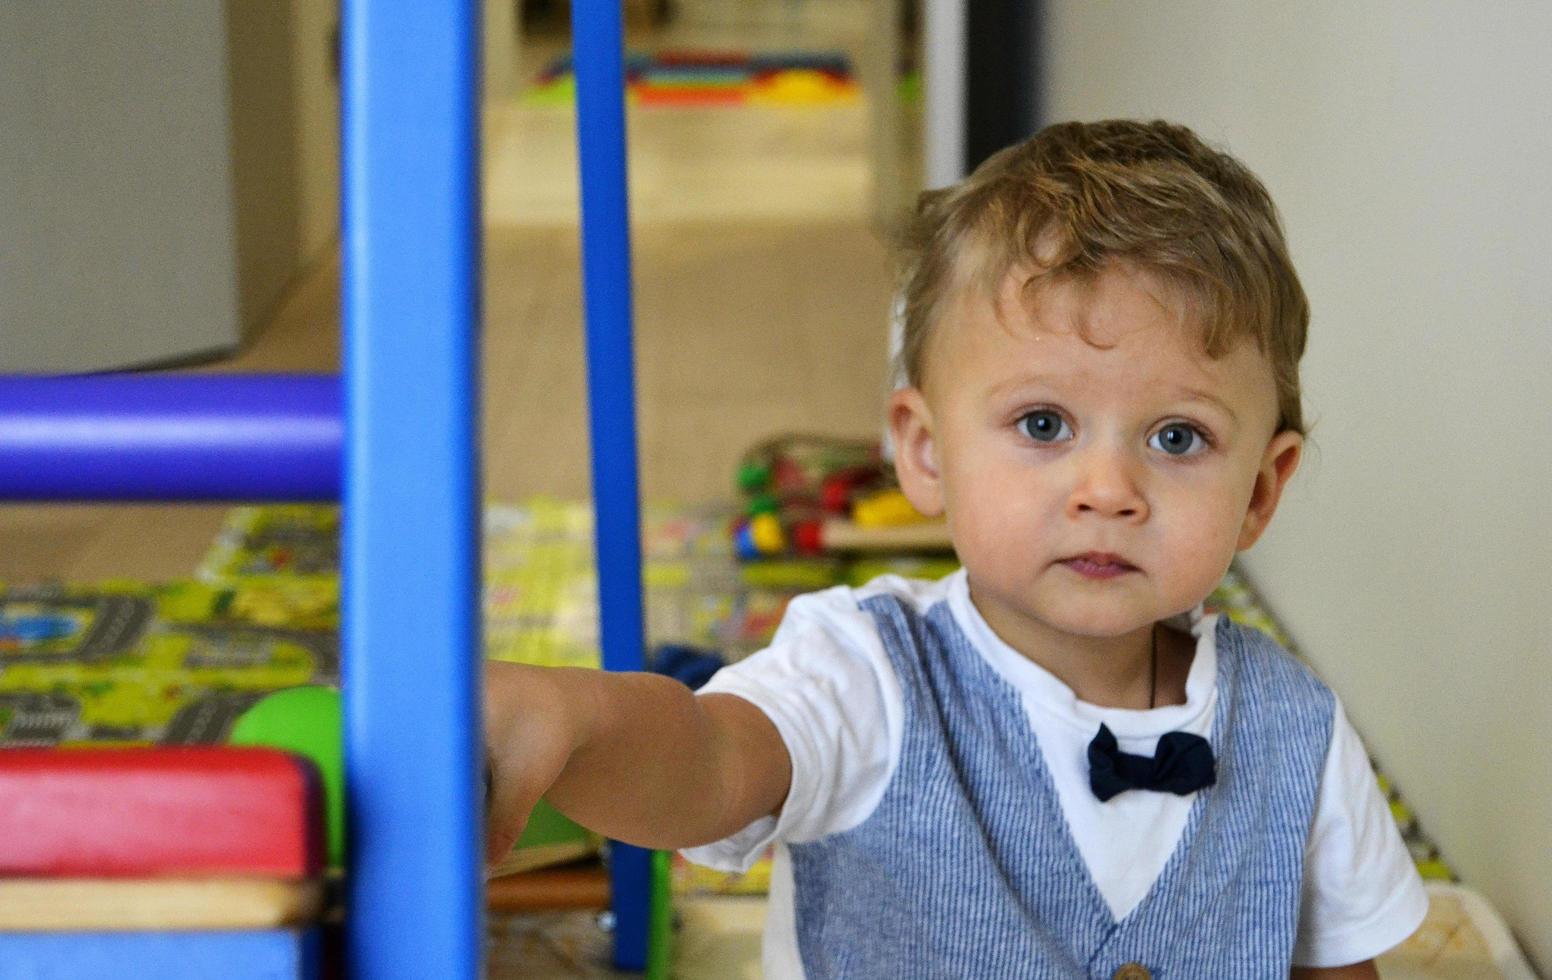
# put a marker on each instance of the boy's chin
(1105, 629)
(1104, 623)
(1094, 616)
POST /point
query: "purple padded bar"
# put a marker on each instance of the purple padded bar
(170, 438)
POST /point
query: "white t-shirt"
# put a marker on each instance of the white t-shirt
(828, 686)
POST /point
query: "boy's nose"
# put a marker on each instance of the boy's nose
(1106, 485)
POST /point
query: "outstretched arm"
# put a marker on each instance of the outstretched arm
(636, 757)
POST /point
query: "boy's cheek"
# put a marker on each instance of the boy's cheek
(1204, 555)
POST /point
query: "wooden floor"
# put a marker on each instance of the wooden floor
(762, 292)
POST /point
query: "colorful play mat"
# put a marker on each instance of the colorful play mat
(177, 662)
(714, 78)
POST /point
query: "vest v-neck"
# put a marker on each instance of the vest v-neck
(1051, 693)
(1126, 842)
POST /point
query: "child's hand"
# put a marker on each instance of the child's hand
(530, 734)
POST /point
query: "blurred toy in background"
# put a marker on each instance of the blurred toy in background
(812, 495)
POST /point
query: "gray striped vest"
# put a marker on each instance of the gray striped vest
(967, 869)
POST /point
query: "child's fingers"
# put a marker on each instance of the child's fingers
(526, 749)
(507, 807)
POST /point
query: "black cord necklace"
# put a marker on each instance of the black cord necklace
(1153, 670)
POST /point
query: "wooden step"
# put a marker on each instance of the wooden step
(118, 905)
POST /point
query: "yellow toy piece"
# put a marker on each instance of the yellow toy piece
(765, 531)
(887, 508)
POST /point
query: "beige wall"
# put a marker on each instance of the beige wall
(317, 122)
(285, 104)
(285, 149)
(169, 170)
(114, 186)
(1409, 146)
(499, 44)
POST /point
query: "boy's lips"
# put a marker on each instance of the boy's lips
(1098, 564)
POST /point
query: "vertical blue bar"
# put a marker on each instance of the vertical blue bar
(411, 545)
(611, 384)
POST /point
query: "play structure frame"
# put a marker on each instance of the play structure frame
(396, 440)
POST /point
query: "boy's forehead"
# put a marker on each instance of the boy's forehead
(1122, 319)
(1116, 306)
(1118, 310)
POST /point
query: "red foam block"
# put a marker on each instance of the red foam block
(166, 811)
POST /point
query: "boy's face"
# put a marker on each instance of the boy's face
(1097, 470)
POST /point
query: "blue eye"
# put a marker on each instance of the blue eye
(1045, 426)
(1179, 439)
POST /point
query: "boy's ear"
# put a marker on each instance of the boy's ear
(1277, 466)
(916, 456)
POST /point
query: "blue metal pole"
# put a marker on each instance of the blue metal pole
(606, 270)
(411, 628)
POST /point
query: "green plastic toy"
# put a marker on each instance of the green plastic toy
(307, 721)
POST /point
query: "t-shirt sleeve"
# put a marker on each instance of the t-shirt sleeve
(1362, 893)
(827, 685)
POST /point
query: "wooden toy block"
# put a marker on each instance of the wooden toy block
(278, 954)
(843, 535)
(584, 887)
(117, 904)
(198, 811)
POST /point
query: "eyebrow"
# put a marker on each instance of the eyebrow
(1054, 382)
(1194, 394)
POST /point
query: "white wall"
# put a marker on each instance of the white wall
(943, 91)
(1409, 146)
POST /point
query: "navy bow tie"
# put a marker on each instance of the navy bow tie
(1183, 763)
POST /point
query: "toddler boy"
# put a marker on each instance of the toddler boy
(1051, 763)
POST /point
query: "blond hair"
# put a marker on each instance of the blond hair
(1077, 197)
